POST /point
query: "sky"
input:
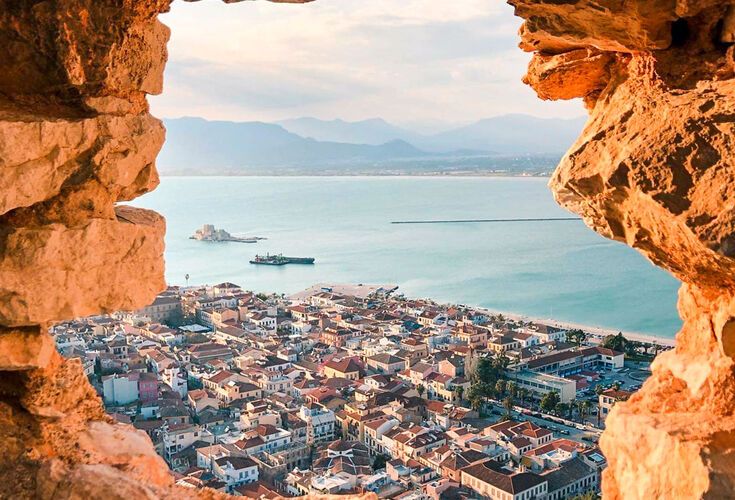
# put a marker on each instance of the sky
(425, 64)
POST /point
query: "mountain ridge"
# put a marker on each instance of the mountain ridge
(204, 146)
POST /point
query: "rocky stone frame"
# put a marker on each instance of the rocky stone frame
(653, 168)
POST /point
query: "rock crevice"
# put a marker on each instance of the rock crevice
(654, 168)
(76, 138)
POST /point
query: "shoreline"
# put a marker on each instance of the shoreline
(597, 332)
(437, 175)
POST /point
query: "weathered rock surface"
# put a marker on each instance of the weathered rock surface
(655, 169)
(577, 73)
(25, 348)
(102, 265)
(49, 159)
(76, 138)
(554, 26)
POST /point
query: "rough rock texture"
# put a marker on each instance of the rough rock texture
(76, 138)
(655, 168)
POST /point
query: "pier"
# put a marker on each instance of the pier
(462, 221)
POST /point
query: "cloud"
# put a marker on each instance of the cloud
(411, 61)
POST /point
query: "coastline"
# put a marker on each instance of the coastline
(596, 332)
(434, 174)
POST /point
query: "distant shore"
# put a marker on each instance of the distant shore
(441, 174)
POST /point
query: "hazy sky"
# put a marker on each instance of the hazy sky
(413, 62)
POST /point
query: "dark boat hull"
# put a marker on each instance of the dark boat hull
(280, 260)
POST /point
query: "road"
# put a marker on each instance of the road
(572, 432)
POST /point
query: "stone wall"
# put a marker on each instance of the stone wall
(654, 168)
(76, 139)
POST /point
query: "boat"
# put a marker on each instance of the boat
(280, 260)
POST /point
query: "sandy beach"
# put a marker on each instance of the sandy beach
(597, 333)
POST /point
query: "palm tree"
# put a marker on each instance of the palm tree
(500, 387)
(476, 402)
(512, 388)
(522, 393)
(561, 408)
(508, 404)
(586, 407)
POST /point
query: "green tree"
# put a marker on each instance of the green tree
(379, 462)
(615, 342)
(585, 408)
(512, 388)
(576, 336)
(500, 387)
(421, 390)
(175, 319)
(522, 394)
(631, 348)
(476, 402)
(192, 383)
(561, 409)
(476, 396)
(599, 389)
(508, 404)
(549, 401)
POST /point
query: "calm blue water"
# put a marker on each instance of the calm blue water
(553, 269)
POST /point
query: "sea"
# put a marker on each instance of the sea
(542, 269)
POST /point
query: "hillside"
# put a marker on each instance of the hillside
(506, 134)
(195, 144)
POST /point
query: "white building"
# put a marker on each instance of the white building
(541, 383)
(235, 471)
(175, 378)
(119, 389)
(320, 423)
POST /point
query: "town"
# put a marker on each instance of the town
(354, 388)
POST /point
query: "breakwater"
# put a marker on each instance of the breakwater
(463, 221)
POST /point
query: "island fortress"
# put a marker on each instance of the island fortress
(209, 233)
(653, 168)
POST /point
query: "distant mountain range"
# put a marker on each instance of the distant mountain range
(196, 145)
(507, 134)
